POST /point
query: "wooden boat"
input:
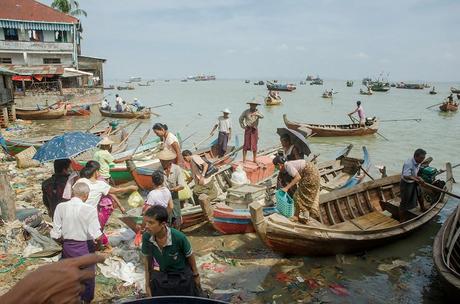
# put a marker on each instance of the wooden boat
(448, 107)
(433, 92)
(342, 172)
(40, 114)
(110, 87)
(316, 81)
(78, 110)
(144, 114)
(271, 101)
(327, 95)
(455, 90)
(247, 81)
(446, 248)
(280, 87)
(260, 82)
(368, 92)
(323, 130)
(354, 219)
(378, 86)
(349, 83)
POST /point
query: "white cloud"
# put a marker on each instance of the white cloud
(362, 55)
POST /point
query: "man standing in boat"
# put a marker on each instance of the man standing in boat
(249, 121)
(362, 116)
(409, 185)
(225, 131)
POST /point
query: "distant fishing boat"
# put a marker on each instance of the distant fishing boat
(455, 90)
(349, 83)
(327, 94)
(280, 87)
(183, 80)
(135, 79)
(433, 91)
(247, 81)
(127, 87)
(310, 78)
(144, 114)
(449, 107)
(366, 81)
(379, 86)
(110, 87)
(302, 82)
(316, 81)
(271, 101)
(147, 84)
(260, 82)
(411, 86)
(368, 92)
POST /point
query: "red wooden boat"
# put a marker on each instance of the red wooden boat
(78, 110)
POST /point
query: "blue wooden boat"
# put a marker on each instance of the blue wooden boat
(280, 87)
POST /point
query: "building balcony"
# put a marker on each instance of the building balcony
(32, 46)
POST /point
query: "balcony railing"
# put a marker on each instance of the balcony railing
(6, 96)
(36, 46)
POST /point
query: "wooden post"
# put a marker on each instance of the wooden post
(7, 198)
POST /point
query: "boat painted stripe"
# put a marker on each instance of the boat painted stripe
(233, 221)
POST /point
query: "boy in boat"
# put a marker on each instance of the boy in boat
(118, 102)
(362, 116)
(105, 105)
(225, 131)
(249, 121)
(410, 185)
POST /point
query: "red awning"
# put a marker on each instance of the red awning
(20, 78)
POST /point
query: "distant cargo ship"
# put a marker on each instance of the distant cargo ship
(204, 77)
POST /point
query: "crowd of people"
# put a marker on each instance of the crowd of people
(81, 203)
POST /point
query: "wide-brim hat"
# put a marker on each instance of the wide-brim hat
(226, 110)
(105, 141)
(253, 102)
(166, 154)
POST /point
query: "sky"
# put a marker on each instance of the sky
(239, 39)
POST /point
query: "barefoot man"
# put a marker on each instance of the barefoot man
(249, 121)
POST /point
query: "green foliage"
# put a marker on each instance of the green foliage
(70, 7)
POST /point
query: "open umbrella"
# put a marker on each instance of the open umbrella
(66, 146)
(297, 139)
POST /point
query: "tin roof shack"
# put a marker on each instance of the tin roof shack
(94, 66)
(7, 112)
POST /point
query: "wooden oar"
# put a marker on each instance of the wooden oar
(441, 190)
(188, 137)
(92, 127)
(444, 170)
(405, 119)
(187, 124)
(197, 145)
(141, 142)
(129, 134)
(354, 120)
(435, 105)
(367, 173)
(227, 155)
(162, 105)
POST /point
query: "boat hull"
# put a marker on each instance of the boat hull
(46, 114)
(126, 115)
(338, 230)
(446, 107)
(332, 130)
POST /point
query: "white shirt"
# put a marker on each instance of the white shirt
(169, 140)
(224, 124)
(96, 190)
(160, 196)
(293, 167)
(75, 220)
(104, 104)
(118, 100)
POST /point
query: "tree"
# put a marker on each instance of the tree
(70, 7)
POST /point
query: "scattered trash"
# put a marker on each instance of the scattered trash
(117, 268)
(283, 277)
(393, 265)
(338, 289)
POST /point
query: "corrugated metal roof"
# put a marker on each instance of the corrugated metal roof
(38, 70)
(5, 70)
(30, 10)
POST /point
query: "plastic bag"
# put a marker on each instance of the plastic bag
(135, 200)
(239, 177)
(185, 193)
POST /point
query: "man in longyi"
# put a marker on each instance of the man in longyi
(411, 193)
(249, 121)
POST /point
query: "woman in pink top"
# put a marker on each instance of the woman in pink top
(362, 116)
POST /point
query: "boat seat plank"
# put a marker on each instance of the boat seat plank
(375, 219)
(334, 169)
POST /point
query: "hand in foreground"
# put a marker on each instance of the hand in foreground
(60, 282)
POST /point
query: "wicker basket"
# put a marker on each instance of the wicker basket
(24, 158)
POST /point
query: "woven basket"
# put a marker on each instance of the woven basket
(24, 158)
(284, 203)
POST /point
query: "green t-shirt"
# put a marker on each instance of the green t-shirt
(174, 255)
(105, 159)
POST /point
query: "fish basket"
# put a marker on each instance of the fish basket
(284, 203)
(24, 158)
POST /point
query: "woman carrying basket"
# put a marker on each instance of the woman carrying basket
(306, 177)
